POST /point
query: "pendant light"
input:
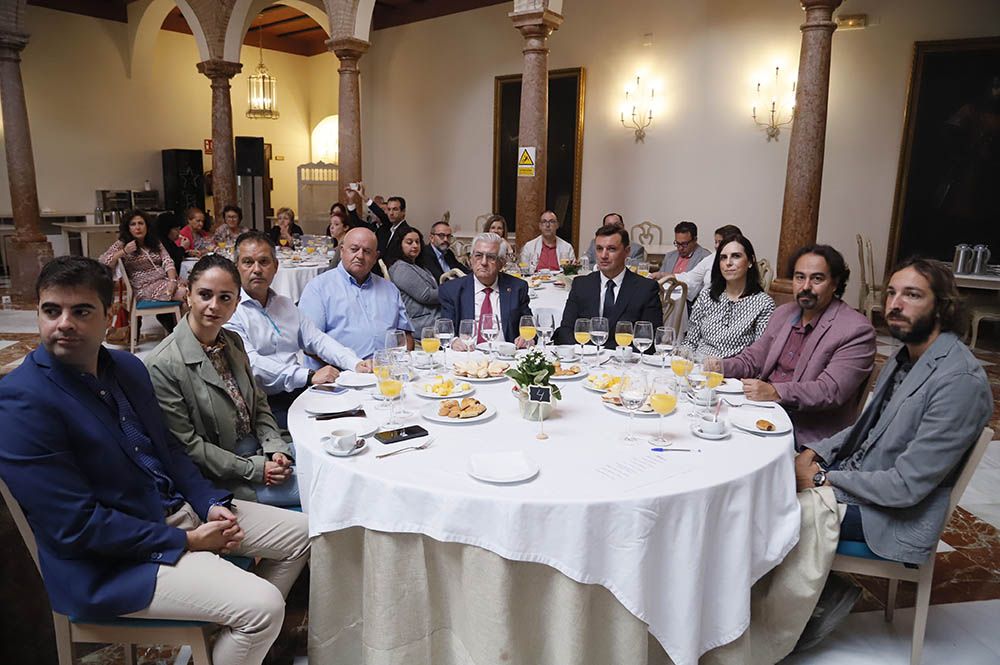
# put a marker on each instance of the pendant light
(263, 93)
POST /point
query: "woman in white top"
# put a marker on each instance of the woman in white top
(498, 225)
(731, 314)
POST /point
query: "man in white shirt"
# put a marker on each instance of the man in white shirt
(548, 250)
(486, 291)
(274, 331)
(700, 277)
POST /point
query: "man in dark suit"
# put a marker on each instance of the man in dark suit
(124, 522)
(437, 257)
(611, 291)
(486, 290)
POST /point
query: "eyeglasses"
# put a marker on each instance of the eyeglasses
(548, 222)
(449, 236)
(486, 258)
(679, 245)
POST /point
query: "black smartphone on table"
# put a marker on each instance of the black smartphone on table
(328, 388)
(401, 434)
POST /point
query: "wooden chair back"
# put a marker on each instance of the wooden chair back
(673, 299)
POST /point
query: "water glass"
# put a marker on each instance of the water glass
(634, 391)
(445, 331)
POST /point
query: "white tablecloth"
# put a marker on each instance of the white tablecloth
(550, 299)
(289, 281)
(679, 544)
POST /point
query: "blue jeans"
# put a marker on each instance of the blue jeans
(284, 495)
(850, 527)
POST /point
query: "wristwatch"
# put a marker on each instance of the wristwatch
(819, 478)
(309, 377)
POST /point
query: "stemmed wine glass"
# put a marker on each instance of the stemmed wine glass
(624, 334)
(445, 331)
(599, 333)
(581, 333)
(390, 385)
(489, 326)
(635, 390)
(546, 325)
(526, 328)
(664, 344)
(643, 338)
(429, 343)
(467, 333)
(663, 399)
(395, 340)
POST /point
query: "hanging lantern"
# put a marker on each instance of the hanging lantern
(263, 93)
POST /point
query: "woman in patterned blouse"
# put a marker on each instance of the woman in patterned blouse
(733, 313)
(206, 389)
(232, 226)
(147, 263)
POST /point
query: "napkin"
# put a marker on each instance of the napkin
(502, 467)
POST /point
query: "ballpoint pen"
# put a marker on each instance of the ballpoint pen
(678, 450)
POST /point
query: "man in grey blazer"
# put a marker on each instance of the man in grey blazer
(688, 253)
(894, 468)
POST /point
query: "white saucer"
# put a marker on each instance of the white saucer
(730, 387)
(361, 426)
(355, 380)
(696, 430)
(318, 403)
(337, 453)
(502, 468)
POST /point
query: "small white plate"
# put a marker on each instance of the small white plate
(485, 348)
(331, 403)
(337, 453)
(509, 467)
(748, 422)
(430, 412)
(656, 361)
(355, 380)
(455, 394)
(589, 349)
(590, 386)
(569, 377)
(640, 414)
(696, 430)
(532, 295)
(361, 426)
(731, 387)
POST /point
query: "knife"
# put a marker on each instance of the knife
(360, 413)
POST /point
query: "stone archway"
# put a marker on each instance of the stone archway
(144, 21)
(245, 11)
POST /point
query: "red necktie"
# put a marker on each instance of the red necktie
(485, 312)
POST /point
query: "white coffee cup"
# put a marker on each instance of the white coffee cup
(342, 440)
(420, 359)
(627, 353)
(709, 425)
(705, 395)
(565, 352)
(506, 348)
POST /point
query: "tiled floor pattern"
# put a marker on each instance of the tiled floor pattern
(965, 595)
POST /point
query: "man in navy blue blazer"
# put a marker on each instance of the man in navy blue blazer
(125, 523)
(486, 289)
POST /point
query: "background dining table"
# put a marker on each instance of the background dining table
(612, 553)
(290, 279)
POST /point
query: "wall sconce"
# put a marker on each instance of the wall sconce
(775, 116)
(639, 107)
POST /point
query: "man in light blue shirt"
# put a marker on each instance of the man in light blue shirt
(274, 331)
(351, 304)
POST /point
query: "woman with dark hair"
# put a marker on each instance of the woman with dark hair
(232, 226)
(206, 389)
(734, 311)
(417, 286)
(168, 230)
(148, 264)
(196, 238)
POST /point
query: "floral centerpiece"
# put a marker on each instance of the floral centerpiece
(569, 268)
(533, 369)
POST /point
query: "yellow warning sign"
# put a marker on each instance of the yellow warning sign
(525, 161)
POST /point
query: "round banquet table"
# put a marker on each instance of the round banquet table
(415, 561)
(290, 279)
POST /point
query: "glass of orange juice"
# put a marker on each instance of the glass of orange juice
(526, 328)
(429, 342)
(663, 399)
(390, 386)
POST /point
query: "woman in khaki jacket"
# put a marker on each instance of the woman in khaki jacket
(206, 389)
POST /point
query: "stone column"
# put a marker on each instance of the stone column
(535, 27)
(220, 72)
(804, 175)
(29, 250)
(349, 50)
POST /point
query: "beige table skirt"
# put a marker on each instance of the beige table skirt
(405, 599)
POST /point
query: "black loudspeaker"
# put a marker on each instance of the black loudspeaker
(250, 155)
(183, 180)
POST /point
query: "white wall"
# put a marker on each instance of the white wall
(94, 128)
(427, 105)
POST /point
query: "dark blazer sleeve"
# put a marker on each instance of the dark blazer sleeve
(378, 212)
(652, 309)
(38, 463)
(449, 295)
(574, 309)
(428, 261)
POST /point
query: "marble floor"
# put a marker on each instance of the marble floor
(965, 600)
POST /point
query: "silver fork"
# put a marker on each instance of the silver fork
(756, 404)
(403, 450)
